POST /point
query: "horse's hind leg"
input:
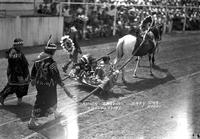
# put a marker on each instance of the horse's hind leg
(150, 63)
(153, 59)
(123, 78)
(138, 61)
(154, 52)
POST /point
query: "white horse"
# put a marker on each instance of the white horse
(128, 45)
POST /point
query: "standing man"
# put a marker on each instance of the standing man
(45, 76)
(73, 48)
(17, 73)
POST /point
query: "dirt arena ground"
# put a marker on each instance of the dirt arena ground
(163, 106)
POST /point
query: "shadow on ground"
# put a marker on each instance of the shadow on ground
(149, 83)
(22, 111)
(104, 95)
(51, 129)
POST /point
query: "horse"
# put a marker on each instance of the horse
(157, 33)
(133, 44)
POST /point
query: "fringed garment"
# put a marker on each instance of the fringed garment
(17, 73)
(46, 76)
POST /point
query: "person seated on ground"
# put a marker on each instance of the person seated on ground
(85, 66)
(104, 69)
(105, 75)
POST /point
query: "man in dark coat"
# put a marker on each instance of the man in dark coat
(45, 76)
(73, 49)
(17, 73)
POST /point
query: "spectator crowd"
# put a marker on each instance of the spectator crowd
(97, 20)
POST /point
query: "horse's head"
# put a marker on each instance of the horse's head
(67, 43)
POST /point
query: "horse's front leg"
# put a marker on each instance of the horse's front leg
(150, 63)
(153, 58)
(155, 51)
(138, 61)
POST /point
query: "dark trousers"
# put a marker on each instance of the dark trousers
(19, 90)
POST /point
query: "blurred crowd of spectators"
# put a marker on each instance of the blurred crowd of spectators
(99, 19)
(48, 8)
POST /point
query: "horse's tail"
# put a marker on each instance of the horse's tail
(119, 50)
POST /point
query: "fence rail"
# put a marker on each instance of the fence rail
(133, 5)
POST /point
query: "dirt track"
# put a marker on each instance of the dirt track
(165, 105)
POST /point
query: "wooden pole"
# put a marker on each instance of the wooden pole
(114, 22)
(34, 7)
(91, 93)
(185, 18)
(85, 22)
(60, 8)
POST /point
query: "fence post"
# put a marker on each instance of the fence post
(185, 18)
(165, 20)
(60, 9)
(18, 26)
(114, 22)
(85, 22)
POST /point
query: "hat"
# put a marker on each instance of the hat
(50, 49)
(18, 41)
